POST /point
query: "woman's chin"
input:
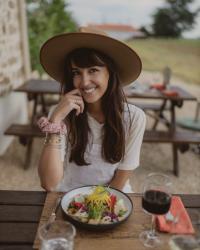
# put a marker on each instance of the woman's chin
(91, 99)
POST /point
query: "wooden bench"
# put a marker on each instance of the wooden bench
(179, 139)
(25, 130)
(26, 133)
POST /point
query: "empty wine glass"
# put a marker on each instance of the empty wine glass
(156, 200)
(183, 242)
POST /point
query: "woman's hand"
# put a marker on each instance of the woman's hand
(120, 178)
(70, 101)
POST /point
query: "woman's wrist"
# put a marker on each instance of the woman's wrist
(55, 119)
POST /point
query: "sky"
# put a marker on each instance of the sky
(134, 12)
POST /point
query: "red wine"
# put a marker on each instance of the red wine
(156, 202)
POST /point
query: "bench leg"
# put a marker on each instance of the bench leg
(160, 118)
(175, 160)
(28, 154)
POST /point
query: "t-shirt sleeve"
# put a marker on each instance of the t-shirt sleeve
(134, 138)
(63, 137)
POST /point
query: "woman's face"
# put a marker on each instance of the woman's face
(91, 81)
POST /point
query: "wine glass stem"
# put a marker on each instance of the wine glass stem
(153, 226)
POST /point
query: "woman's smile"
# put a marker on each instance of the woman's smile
(89, 90)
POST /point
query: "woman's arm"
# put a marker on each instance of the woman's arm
(50, 166)
(120, 178)
(51, 163)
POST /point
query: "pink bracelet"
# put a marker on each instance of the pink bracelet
(51, 127)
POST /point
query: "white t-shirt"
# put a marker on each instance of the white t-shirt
(100, 172)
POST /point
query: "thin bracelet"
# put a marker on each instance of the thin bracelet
(53, 146)
(53, 139)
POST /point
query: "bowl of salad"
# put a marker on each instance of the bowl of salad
(96, 207)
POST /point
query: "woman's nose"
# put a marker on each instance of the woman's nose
(85, 79)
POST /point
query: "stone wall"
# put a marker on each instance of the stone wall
(13, 70)
(14, 66)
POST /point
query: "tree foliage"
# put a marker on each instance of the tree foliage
(174, 18)
(46, 18)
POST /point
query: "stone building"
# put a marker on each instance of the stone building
(14, 66)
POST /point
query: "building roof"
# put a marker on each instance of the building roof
(116, 27)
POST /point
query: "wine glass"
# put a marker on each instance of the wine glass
(156, 200)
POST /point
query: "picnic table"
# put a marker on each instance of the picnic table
(20, 213)
(37, 89)
(179, 140)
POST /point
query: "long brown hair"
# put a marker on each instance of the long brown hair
(113, 141)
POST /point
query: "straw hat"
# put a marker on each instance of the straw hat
(54, 51)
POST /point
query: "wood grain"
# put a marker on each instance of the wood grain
(123, 236)
(20, 214)
(22, 197)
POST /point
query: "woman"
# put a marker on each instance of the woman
(93, 135)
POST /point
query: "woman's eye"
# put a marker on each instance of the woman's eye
(75, 73)
(92, 70)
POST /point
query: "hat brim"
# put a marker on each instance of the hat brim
(55, 50)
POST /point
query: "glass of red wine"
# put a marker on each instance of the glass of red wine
(156, 200)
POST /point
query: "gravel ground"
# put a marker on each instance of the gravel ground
(154, 157)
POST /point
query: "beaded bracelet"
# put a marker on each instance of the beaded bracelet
(51, 127)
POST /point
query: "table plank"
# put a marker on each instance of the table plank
(22, 197)
(115, 244)
(17, 213)
(15, 233)
(195, 218)
(154, 94)
(38, 86)
(190, 200)
(16, 247)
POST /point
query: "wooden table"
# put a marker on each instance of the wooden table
(20, 212)
(36, 89)
(175, 101)
(183, 140)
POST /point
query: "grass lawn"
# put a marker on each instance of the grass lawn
(181, 55)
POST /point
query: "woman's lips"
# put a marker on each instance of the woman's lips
(89, 90)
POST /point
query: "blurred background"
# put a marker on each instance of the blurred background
(165, 33)
(162, 32)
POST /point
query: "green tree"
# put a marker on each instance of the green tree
(46, 18)
(174, 18)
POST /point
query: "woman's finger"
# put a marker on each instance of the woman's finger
(74, 92)
(77, 107)
(80, 103)
(73, 96)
